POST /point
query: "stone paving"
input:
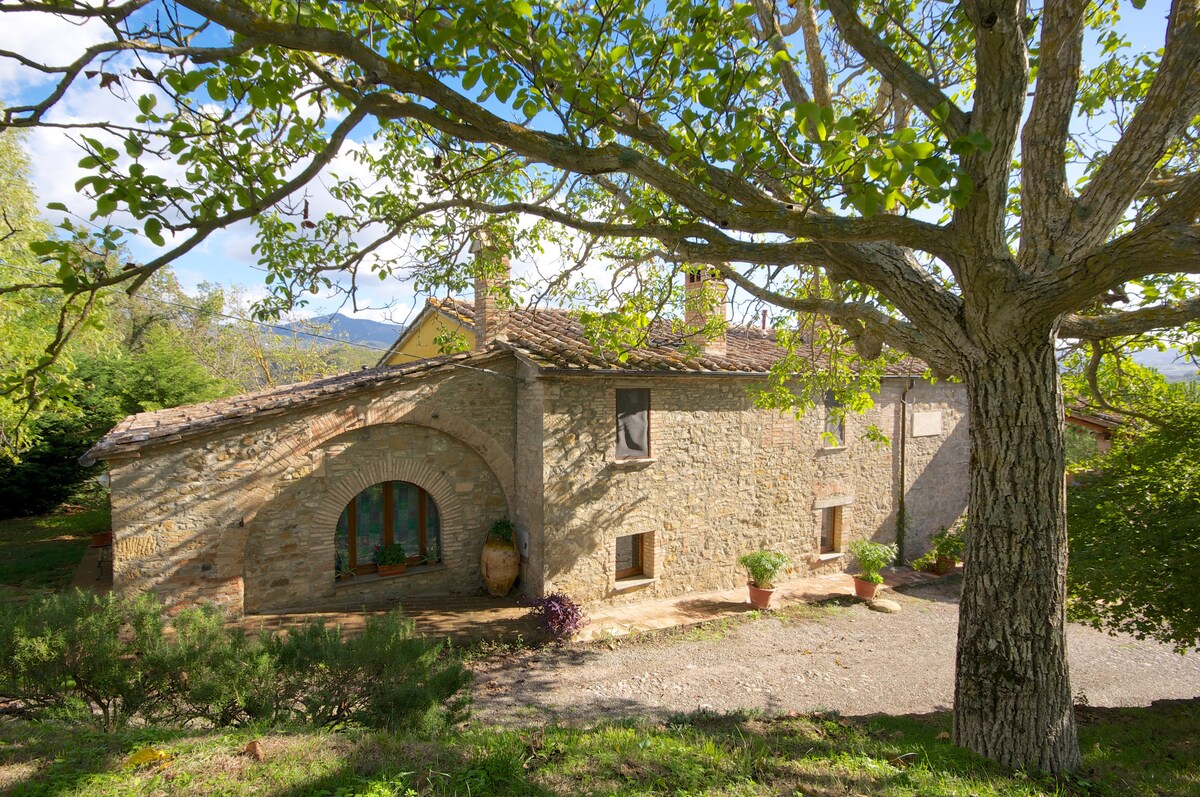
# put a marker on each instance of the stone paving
(466, 619)
(473, 618)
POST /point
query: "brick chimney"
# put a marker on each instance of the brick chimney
(704, 304)
(491, 286)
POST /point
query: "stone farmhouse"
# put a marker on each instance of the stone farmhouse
(626, 479)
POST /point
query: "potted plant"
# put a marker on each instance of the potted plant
(342, 568)
(392, 559)
(762, 568)
(499, 562)
(872, 557)
(946, 553)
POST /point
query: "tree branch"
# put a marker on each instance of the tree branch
(1045, 197)
(1130, 322)
(895, 70)
(1172, 101)
(1001, 80)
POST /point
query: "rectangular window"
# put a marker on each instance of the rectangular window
(835, 422)
(633, 423)
(831, 528)
(631, 556)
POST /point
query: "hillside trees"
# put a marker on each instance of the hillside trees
(951, 181)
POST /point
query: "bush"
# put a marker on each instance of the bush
(79, 656)
(82, 657)
(1134, 546)
(384, 677)
(559, 617)
(764, 567)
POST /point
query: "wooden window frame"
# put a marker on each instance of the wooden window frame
(833, 516)
(639, 569)
(389, 526)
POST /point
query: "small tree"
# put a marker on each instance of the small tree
(1135, 550)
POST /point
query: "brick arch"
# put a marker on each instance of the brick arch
(326, 427)
(343, 491)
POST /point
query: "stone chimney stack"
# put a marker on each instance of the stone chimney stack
(704, 304)
(491, 285)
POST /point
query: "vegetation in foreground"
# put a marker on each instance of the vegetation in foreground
(1127, 752)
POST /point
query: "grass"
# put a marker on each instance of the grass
(1136, 752)
(39, 554)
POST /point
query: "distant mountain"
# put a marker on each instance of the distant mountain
(1165, 362)
(351, 330)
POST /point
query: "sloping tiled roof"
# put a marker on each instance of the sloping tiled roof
(551, 339)
(169, 425)
(556, 339)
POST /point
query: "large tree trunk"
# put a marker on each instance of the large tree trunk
(1013, 694)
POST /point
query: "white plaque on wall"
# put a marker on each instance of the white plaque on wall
(927, 424)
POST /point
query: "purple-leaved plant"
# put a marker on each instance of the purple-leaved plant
(559, 616)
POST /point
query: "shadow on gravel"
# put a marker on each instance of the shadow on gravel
(944, 590)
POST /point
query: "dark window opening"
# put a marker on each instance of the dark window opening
(835, 422)
(633, 423)
(631, 556)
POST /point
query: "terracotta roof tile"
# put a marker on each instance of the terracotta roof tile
(194, 419)
(550, 338)
(556, 339)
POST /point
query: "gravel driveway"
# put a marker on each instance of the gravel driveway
(845, 658)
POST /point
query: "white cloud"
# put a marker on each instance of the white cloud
(45, 39)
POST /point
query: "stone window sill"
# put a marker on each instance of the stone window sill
(632, 463)
(830, 450)
(631, 584)
(830, 557)
(371, 578)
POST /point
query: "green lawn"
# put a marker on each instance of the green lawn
(38, 554)
(1127, 753)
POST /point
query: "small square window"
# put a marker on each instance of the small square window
(831, 529)
(633, 423)
(835, 422)
(631, 556)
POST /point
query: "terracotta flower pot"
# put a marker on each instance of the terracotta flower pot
(392, 570)
(760, 598)
(500, 565)
(865, 589)
(943, 565)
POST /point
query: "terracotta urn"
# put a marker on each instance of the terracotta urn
(760, 598)
(865, 589)
(500, 564)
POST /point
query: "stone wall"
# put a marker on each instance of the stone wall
(937, 452)
(724, 479)
(245, 517)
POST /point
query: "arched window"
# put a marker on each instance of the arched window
(383, 514)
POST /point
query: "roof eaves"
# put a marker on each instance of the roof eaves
(124, 440)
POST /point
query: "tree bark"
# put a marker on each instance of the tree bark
(1013, 695)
